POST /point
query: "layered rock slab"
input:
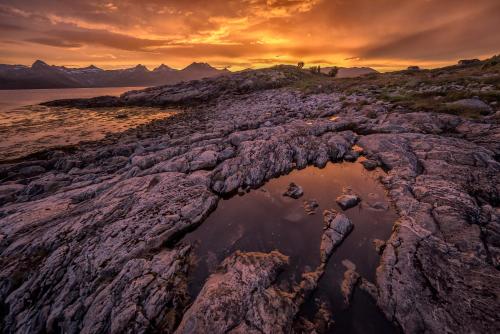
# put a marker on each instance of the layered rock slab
(241, 297)
(100, 265)
(336, 228)
(437, 255)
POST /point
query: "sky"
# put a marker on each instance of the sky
(383, 34)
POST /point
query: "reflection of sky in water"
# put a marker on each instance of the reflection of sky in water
(13, 99)
(264, 220)
(33, 128)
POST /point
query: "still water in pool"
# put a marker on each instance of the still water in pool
(264, 220)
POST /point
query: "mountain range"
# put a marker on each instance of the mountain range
(42, 75)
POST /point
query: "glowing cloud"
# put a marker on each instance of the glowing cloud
(248, 33)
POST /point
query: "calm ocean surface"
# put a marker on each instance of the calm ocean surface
(11, 99)
(26, 127)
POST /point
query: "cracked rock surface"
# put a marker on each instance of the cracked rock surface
(89, 234)
(336, 228)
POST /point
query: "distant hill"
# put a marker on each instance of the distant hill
(42, 75)
(350, 72)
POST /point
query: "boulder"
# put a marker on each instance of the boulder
(351, 278)
(294, 191)
(241, 297)
(310, 206)
(370, 164)
(336, 227)
(347, 201)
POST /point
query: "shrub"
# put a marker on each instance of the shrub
(300, 64)
(333, 72)
(315, 69)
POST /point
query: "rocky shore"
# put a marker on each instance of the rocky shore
(90, 235)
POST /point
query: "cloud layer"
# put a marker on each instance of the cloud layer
(248, 33)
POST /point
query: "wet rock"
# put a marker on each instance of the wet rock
(369, 288)
(379, 245)
(294, 191)
(351, 278)
(102, 101)
(310, 206)
(370, 164)
(351, 156)
(321, 322)
(323, 319)
(336, 227)
(347, 201)
(378, 205)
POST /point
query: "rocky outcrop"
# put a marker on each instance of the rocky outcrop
(336, 228)
(241, 297)
(310, 206)
(351, 278)
(196, 91)
(92, 258)
(438, 254)
(294, 191)
(89, 235)
(347, 201)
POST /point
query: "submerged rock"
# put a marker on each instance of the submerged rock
(379, 245)
(370, 164)
(369, 288)
(310, 206)
(336, 228)
(351, 278)
(378, 206)
(347, 201)
(351, 156)
(321, 322)
(294, 191)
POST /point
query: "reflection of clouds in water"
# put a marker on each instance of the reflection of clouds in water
(264, 220)
(34, 128)
(294, 217)
(211, 261)
(234, 238)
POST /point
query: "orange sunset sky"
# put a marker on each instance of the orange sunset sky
(383, 34)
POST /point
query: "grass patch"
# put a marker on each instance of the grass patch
(315, 84)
